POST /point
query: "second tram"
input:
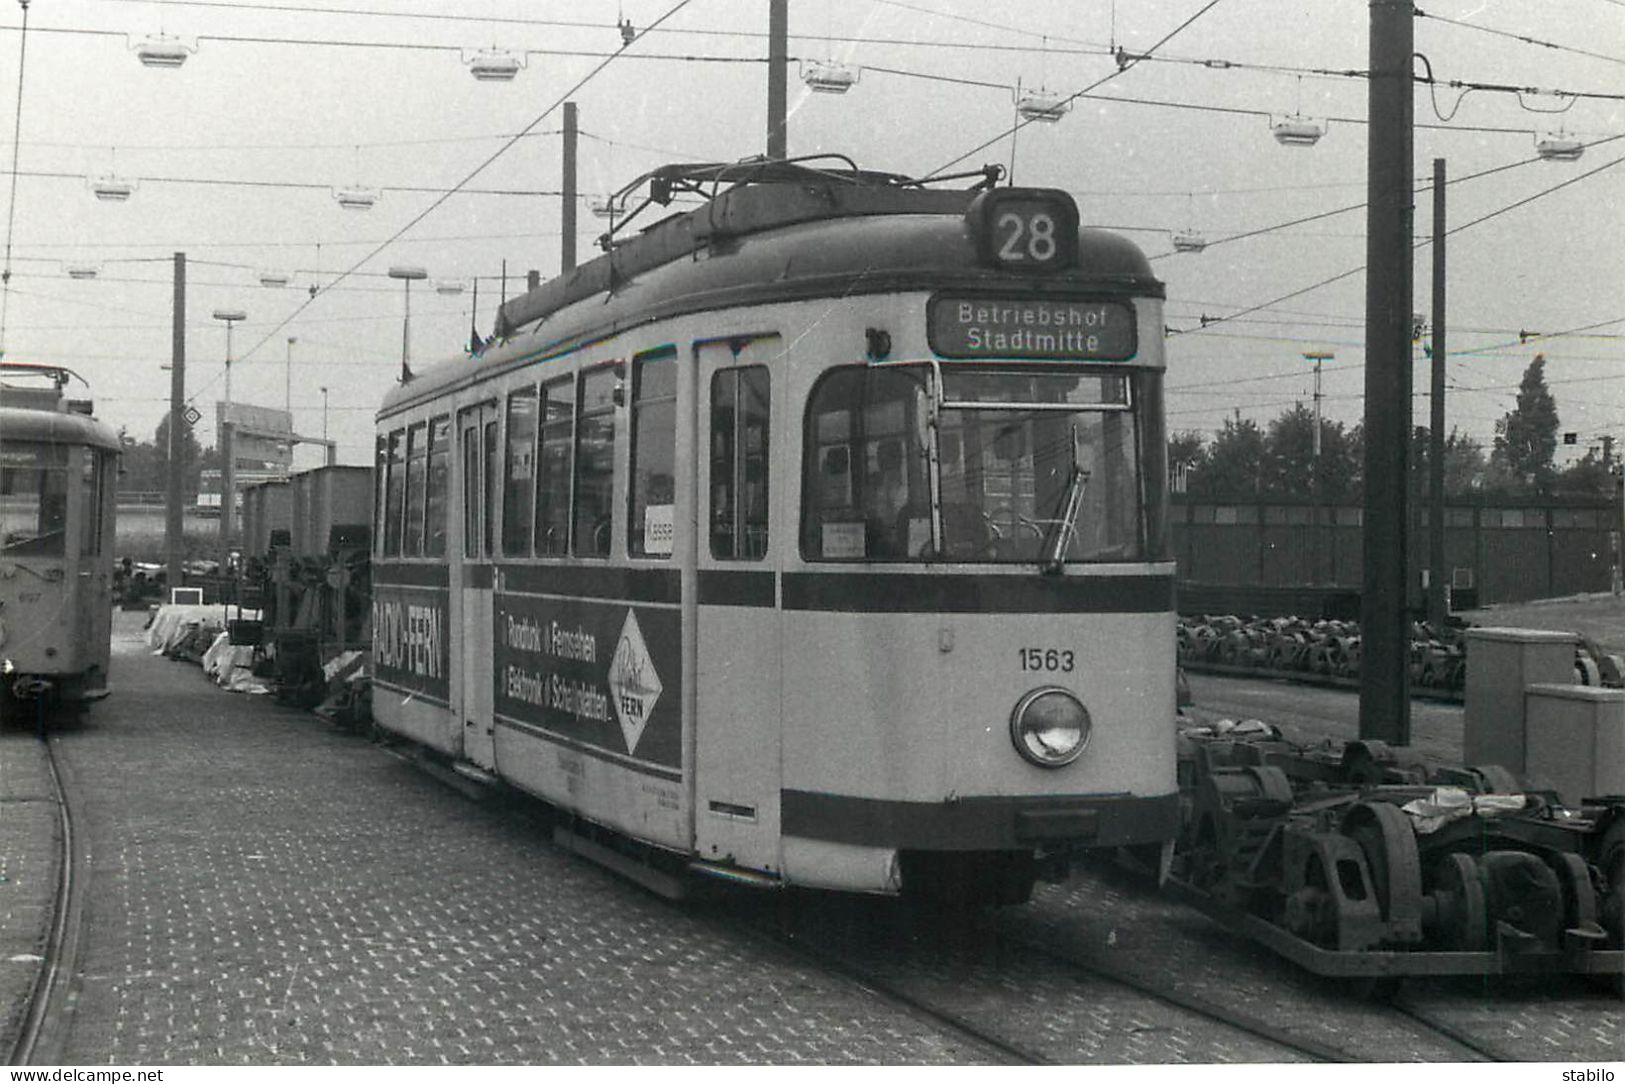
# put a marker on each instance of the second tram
(58, 476)
(816, 536)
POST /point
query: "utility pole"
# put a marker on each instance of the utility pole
(1318, 357)
(1438, 606)
(174, 513)
(567, 254)
(1385, 705)
(778, 64)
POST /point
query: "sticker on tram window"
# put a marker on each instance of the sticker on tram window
(1030, 328)
(1026, 229)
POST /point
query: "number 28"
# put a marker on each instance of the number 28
(1030, 237)
(1050, 659)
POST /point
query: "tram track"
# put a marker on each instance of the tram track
(998, 1041)
(997, 1029)
(999, 1047)
(39, 1039)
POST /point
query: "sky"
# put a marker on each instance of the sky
(235, 156)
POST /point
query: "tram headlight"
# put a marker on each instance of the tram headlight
(1050, 727)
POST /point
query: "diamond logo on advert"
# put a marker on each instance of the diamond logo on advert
(633, 682)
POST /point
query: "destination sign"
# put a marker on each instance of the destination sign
(1035, 328)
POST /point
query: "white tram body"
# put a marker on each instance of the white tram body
(58, 486)
(813, 537)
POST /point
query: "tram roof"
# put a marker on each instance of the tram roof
(56, 427)
(795, 236)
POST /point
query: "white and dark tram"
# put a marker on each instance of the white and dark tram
(58, 482)
(815, 536)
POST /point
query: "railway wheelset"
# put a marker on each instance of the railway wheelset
(1369, 861)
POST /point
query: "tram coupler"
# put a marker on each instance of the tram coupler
(1362, 859)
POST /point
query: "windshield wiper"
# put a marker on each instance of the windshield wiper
(1062, 529)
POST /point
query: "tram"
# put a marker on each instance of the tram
(57, 502)
(815, 536)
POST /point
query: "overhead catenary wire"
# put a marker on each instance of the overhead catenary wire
(475, 172)
(1526, 39)
(11, 206)
(1123, 66)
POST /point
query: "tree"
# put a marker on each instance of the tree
(193, 458)
(138, 468)
(1186, 454)
(1465, 468)
(1291, 467)
(1526, 436)
(1234, 463)
(1591, 476)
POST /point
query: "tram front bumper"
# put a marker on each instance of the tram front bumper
(981, 824)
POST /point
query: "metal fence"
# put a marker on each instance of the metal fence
(1495, 551)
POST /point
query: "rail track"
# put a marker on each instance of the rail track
(895, 955)
(40, 1038)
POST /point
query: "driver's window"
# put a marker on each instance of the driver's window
(865, 491)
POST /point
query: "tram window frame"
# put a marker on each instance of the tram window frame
(437, 496)
(471, 480)
(92, 479)
(594, 538)
(739, 473)
(519, 471)
(42, 512)
(856, 459)
(380, 478)
(394, 491)
(417, 478)
(653, 432)
(492, 448)
(555, 466)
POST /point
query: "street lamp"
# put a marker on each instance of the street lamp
(228, 452)
(1318, 357)
(407, 275)
(287, 380)
(324, 415)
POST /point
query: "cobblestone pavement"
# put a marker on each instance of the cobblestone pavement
(29, 846)
(267, 890)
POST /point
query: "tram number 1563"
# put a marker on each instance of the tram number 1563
(1046, 658)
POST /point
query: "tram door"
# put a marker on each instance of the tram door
(481, 453)
(737, 760)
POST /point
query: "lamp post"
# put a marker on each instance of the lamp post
(287, 380)
(228, 451)
(324, 415)
(1318, 357)
(407, 275)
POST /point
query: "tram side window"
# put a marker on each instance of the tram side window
(554, 468)
(434, 505)
(394, 492)
(595, 463)
(651, 526)
(471, 487)
(380, 476)
(92, 479)
(33, 499)
(865, 493)
(739, 428)
(519, 488)
(417, 477)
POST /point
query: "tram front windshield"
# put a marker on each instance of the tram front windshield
(1035, 464)
(33, 499)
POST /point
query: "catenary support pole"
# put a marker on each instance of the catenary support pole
(175, 492)
(778, 64)
(1384, 627)
(567, 253)
(1437, 604)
